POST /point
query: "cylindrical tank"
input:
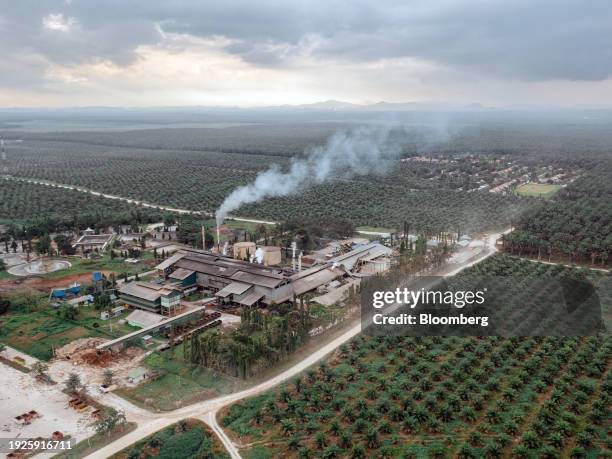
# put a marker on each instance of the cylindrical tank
(244, 250)
(271, 255)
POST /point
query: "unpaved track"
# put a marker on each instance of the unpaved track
(208, 409)
(177, 210)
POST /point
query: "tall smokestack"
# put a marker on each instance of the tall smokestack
(203, 238)
(218, 237)
(300, 261)
(293, 247)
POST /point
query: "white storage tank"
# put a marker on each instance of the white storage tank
(271, 255)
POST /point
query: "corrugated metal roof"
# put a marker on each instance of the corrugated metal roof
(230, 263)
(250, 299)
(140, 291)
(235, 288)
(321, 277)
(170, 261)
(365, 252)
(145, 290)
(310, 271)
(181, 274)
(206, 268)
(256, 279)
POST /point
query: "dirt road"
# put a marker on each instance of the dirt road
(177, 210)
(207, 410)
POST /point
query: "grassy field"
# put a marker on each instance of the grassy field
(38, 333)
(184, 440)
(178, 384)
(541, 190)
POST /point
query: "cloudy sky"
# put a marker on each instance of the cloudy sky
(250, 53)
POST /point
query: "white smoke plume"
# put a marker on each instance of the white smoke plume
(361, 151)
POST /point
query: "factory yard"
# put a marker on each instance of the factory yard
(80, 357)
(20, 393)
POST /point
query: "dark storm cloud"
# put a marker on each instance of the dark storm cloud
(520, 39)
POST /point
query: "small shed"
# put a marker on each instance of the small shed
(105, 315)
(81, 300)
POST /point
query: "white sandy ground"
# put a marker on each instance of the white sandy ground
(20, 393)
(207, 410)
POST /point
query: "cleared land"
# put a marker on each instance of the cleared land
(20, 393)
(541, 190)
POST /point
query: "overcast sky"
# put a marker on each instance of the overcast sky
(250, 53)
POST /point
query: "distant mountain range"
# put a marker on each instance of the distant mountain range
(327, 105)
(338, 105)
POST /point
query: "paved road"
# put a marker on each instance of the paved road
(207, 410)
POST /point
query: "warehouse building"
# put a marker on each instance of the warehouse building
(157, 298)
(234, 280)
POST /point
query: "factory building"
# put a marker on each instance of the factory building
(160, 299)
(247, 284)
(365, 260)
(233, 280)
